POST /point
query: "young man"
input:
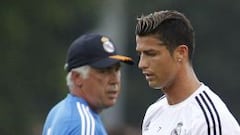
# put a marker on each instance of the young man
(93, 78)
(165, 43)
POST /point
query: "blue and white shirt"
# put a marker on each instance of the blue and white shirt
(73, 116)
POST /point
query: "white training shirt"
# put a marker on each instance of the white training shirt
(203, 113)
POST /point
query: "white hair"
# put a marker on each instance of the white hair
(83, 70)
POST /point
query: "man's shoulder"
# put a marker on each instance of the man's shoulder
(158, 104)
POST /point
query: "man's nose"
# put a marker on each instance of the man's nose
(142, 63)
(115, 77)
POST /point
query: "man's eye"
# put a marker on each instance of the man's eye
(151, 53)
(103, 70)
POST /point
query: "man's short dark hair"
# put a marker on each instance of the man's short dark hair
(169, 26)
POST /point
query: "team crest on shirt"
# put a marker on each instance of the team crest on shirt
(179, 130)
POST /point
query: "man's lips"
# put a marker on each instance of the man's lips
(112, 94)
(148, 76)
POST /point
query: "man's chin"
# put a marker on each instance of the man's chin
(111, 103)
(154, 86)
(157, 88)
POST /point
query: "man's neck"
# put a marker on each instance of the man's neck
(183, 87)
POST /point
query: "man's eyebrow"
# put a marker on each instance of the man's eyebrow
(150, 50)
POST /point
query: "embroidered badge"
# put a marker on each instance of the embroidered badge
(178, 130)
(107, 45)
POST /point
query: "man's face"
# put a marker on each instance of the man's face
(102, 86)
(156, 62)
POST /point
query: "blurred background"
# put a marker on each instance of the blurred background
(35, 35)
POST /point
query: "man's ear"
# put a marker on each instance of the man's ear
(76, 78)
(181, 53)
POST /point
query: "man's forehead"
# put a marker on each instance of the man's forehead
(149, 39)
